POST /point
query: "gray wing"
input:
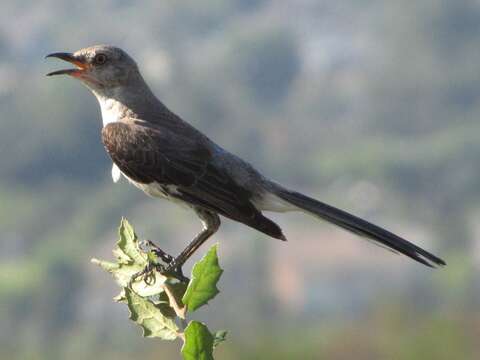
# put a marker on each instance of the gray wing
(150, 153)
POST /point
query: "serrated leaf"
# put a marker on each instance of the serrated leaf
(198, 342)
(128, 244)
(203, 286)
(150, 319)
(219, 337)
(121, 256)
(105, 265)
(131, 260)
(122, 273)
(162, 302)
(155, 307)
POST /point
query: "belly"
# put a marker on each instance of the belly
(157, 190)
(153, 189)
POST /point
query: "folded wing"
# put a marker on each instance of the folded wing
(147, 153)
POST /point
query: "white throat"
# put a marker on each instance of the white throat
(111, 110)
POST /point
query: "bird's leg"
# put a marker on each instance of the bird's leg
(148, 245)
(211, 223)
(148, 274)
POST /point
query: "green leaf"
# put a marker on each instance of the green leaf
(121, 272)
(130, 260)
(203, 286)
(128, 246)
(150, 318)
(219, 337)
(157, 303)
(198, 342)
(105, 265)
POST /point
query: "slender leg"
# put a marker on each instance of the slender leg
(211, 223)
(147, 273)
(148, 245)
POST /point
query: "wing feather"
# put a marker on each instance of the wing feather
(149, 153)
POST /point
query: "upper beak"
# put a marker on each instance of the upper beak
(80, 63)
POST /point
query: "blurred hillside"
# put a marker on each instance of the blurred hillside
(372, 106)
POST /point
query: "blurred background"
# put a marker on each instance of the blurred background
(371, 106)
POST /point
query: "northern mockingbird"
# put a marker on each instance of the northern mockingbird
(164, 156)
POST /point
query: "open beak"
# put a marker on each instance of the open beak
(81, 64)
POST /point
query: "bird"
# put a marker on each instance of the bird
(166, 157)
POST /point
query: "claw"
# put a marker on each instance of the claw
(135, 277)
(149, 278)
(148, 273)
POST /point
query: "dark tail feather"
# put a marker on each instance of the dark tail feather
(267, 226)
(360, 227)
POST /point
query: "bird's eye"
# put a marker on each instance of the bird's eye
(100, 59)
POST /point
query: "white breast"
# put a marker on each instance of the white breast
(110, 112)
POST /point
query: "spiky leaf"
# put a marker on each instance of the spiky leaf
(148, 316)
(128, 245)
(203, 285)
(131, 260)
(121, 272)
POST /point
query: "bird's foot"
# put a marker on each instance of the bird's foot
(148, 274)
(171, 269)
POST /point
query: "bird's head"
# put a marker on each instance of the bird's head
(99, 67)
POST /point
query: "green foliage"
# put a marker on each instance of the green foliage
(203, 286)
(128, 245)
(146, 314)
(130, 260)
(198, 342)
(158, 303)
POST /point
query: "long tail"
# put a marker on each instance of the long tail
(358, 226)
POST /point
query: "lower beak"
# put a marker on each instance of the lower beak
(81, 64)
